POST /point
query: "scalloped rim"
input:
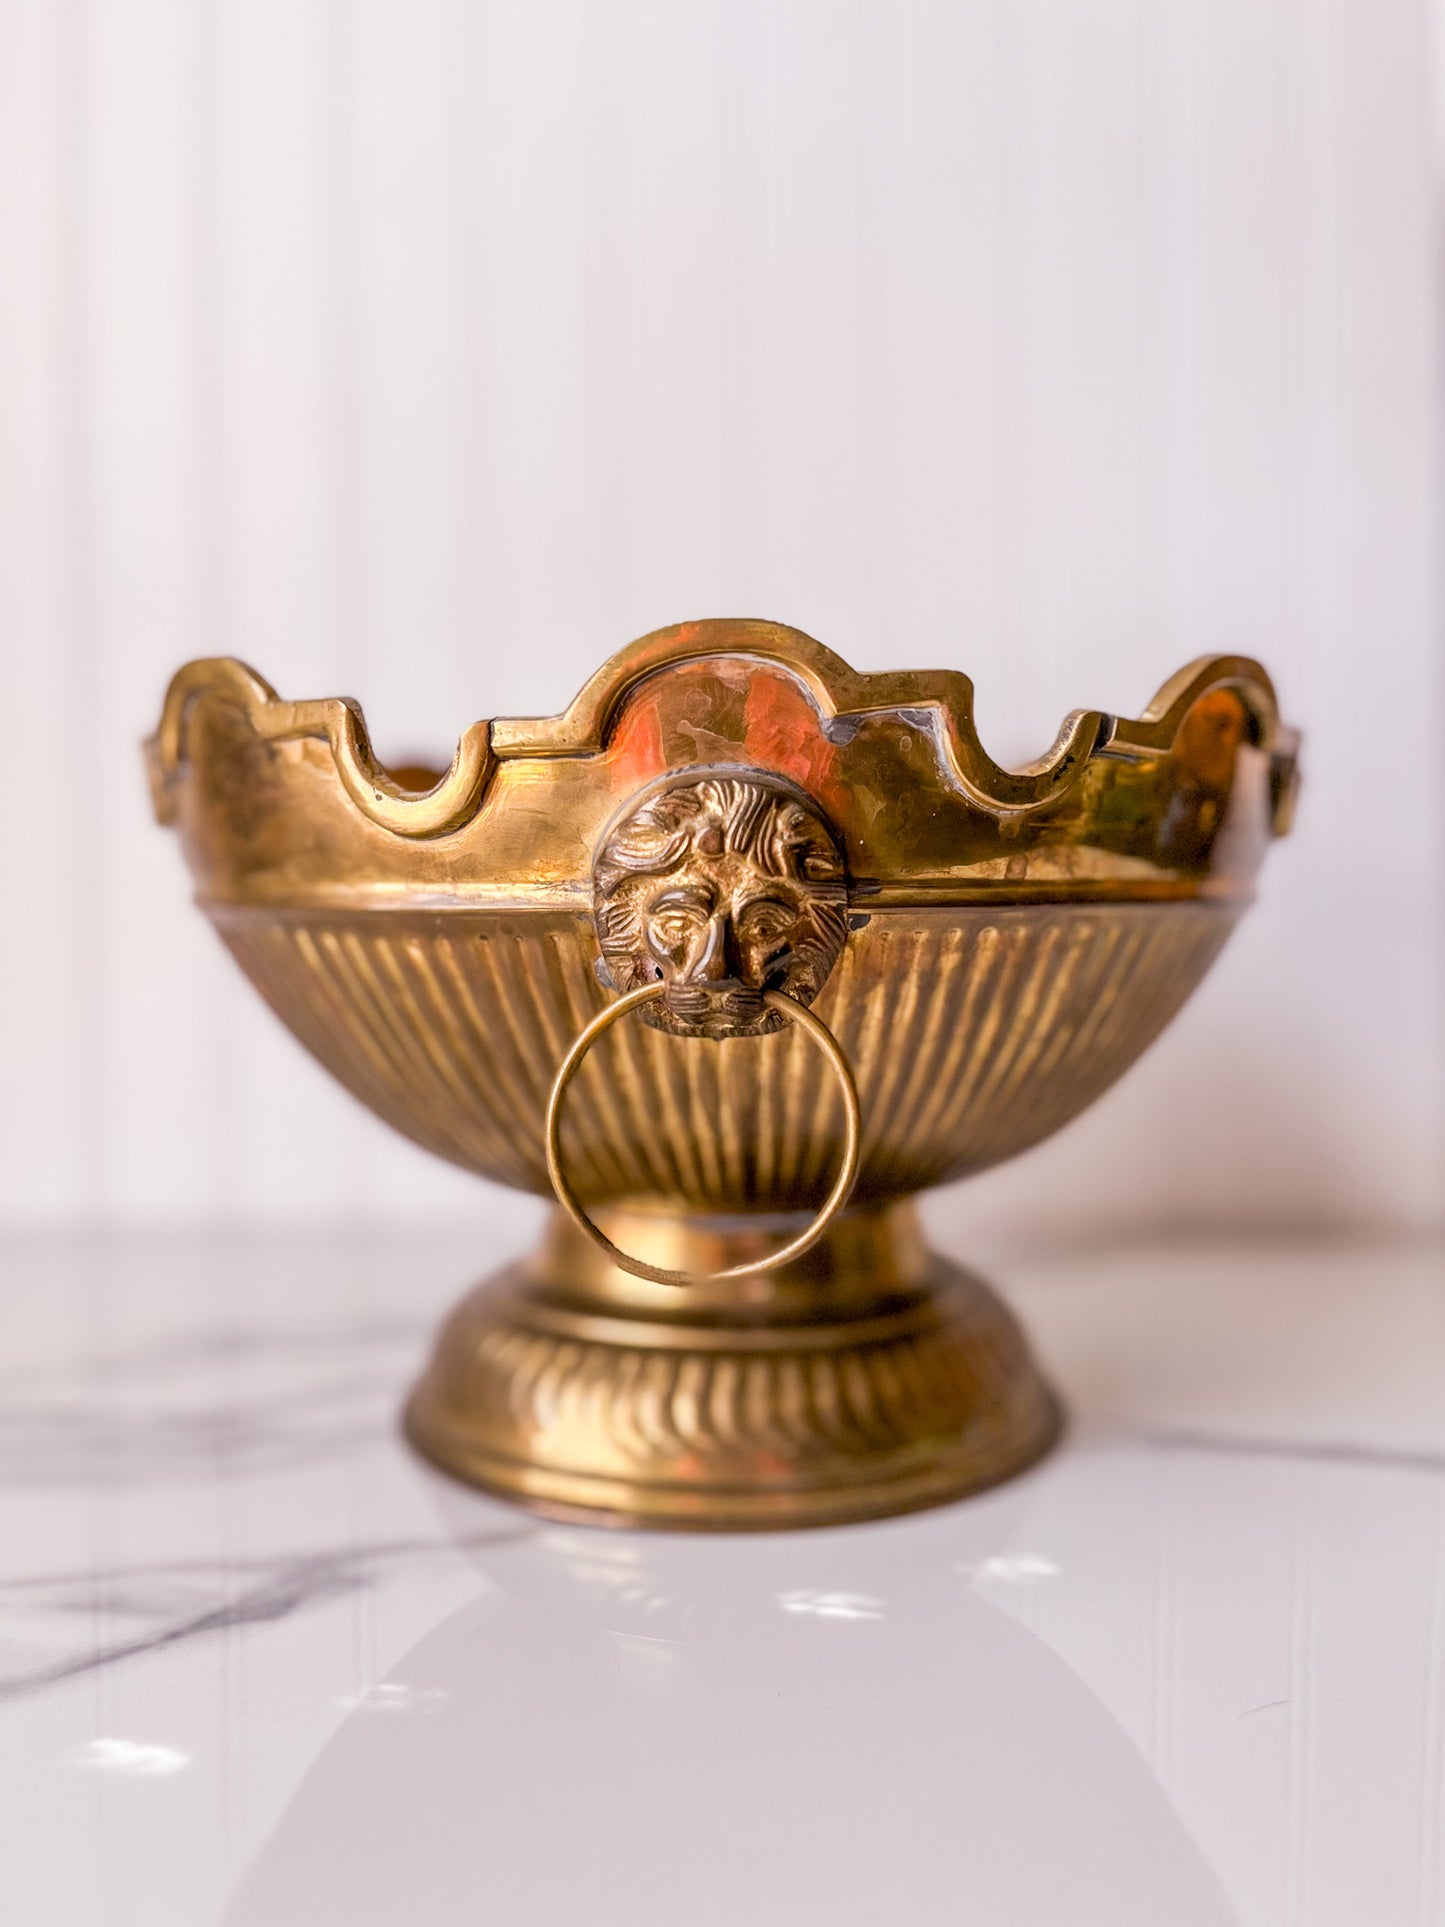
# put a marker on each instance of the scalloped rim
(837, 691)
(339, 722)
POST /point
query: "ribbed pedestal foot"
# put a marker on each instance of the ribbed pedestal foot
(873, 1377)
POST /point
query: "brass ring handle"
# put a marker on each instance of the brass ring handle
(786, 1007)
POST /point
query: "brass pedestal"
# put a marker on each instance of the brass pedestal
(869, 1377)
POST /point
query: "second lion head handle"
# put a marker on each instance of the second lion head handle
(720, 900)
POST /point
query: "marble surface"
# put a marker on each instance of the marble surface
(258, 1665)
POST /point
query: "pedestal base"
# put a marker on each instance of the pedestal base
(872, 1377)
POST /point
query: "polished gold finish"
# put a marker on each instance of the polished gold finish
(726, 816)
(786, 1011)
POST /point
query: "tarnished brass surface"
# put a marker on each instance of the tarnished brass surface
(730, 814)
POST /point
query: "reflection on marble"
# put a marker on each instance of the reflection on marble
(258, 1665)
(626, 1731)
(130, 1756)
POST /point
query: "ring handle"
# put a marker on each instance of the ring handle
(813, 1027)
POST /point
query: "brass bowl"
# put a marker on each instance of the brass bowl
(732, 826)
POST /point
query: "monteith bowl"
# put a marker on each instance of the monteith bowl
(734, 957)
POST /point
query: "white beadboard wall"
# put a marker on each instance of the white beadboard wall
(428, 350)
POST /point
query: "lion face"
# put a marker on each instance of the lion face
(720, 887)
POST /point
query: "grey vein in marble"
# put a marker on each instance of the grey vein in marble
(159, 1415)
(282, 1587)
(1325, 1451)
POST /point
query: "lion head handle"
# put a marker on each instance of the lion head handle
(720, 886)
